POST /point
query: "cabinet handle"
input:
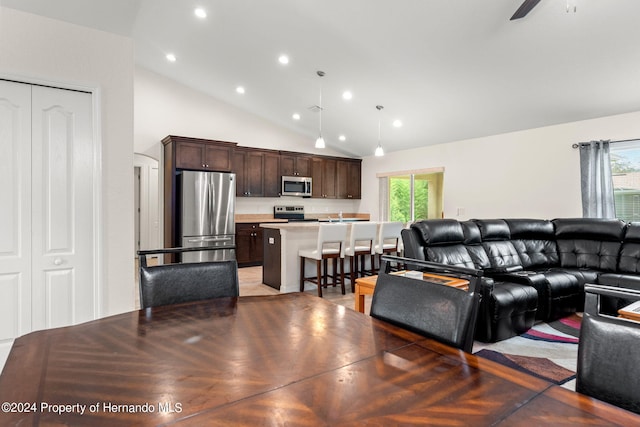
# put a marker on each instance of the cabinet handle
(57, 261)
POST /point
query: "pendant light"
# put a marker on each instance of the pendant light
(379, 151)
(320, 140)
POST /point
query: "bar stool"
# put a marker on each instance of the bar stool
(330, 245)
(389, 238)
(360, 243)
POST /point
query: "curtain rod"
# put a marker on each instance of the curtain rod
(610, 142)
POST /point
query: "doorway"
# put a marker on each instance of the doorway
(146, 204)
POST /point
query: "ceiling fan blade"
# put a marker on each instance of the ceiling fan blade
(524, 8)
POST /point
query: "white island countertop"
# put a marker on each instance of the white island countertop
(294, 236)
(291, 225)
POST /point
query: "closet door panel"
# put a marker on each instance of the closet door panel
(15, 213)
(62, 232)
(59, 287)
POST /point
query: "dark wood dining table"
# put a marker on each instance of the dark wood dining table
(290, 359)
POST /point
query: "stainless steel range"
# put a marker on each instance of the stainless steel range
(292, 213)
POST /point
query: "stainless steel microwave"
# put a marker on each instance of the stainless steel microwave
(296, 186)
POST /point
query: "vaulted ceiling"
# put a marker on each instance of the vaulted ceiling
(447, 69)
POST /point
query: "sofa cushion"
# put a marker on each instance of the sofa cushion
(495, 236)
(479, 257)
(502, 256)
(539, 229)
(632, 232)
(629, 261)
(536, 253)
(589, 254)
(450, 255)
(511, 309)
(493, 229)
(439, 231)
(591, 243)
(584, 275)
(534, 240)
(471, 233)
(620, 280)
(559, 292)
(589, 229)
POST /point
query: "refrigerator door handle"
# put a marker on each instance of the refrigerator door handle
(211, 239)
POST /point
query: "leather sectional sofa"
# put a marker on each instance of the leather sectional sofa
(534, 269)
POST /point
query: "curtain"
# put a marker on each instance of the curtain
(383, 198)
(596, 181)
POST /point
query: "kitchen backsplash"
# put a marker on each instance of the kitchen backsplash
(264, 205)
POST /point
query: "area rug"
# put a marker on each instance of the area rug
(565, 330)
(547, 351)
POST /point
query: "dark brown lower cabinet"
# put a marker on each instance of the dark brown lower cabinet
(271, 270)
(248, 244)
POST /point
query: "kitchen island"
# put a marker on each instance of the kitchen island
(282, 241)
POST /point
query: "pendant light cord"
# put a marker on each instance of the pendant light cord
(320, 74)
(379, 108)
(379, 151)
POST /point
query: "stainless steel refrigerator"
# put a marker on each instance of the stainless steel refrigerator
(207, 214)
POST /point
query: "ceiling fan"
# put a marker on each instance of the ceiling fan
(524, 8)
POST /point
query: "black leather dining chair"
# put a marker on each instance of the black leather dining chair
(185, 282)
(435, 310)
(608, 367)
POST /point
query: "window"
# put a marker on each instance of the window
(415, 196)
(625, 170)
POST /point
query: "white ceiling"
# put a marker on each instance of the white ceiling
(449, 69)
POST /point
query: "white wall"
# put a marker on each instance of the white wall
(46, 50)
(164, 107)
(530, 174)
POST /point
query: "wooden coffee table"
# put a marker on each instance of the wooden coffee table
(366, 285)
(632, 311)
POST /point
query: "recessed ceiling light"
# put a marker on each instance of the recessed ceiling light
(200, 13)
(240, 90)
(347, 95)
(342, 138)
(397, 123)
(171, 57)
(283, 59)
(295, 116)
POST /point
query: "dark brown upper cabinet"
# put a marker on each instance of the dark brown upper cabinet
(201, 154)
(294, 164)
(256, 172)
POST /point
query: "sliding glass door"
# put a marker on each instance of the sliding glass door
(415, 196)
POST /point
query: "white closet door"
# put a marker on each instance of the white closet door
(63, 199)
(15, 213)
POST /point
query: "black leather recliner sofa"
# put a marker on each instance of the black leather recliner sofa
(534, 269)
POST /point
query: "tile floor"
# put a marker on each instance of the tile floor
(251, 284)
